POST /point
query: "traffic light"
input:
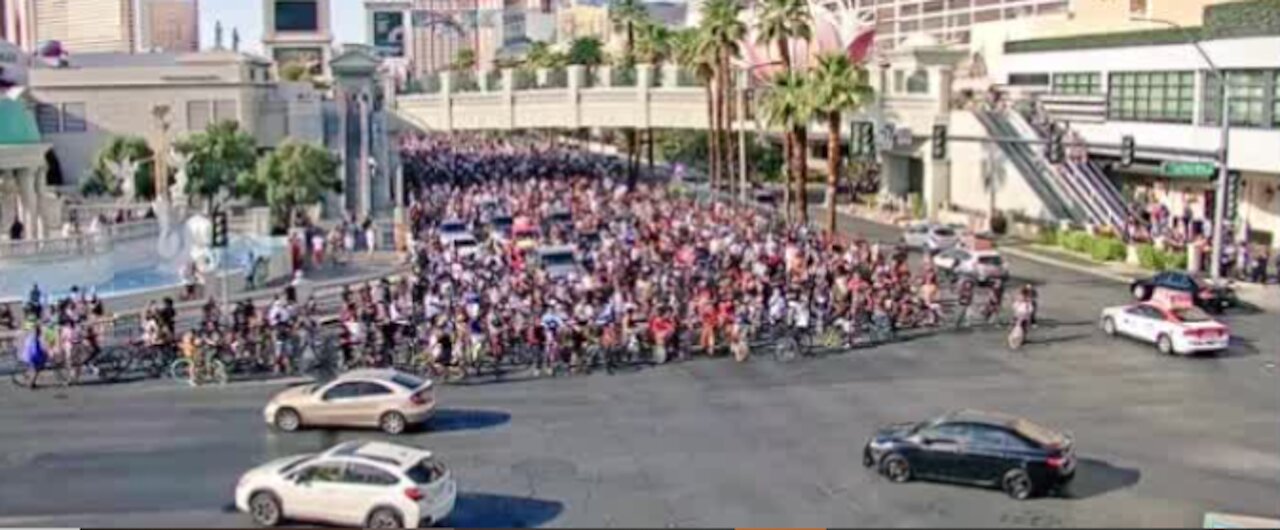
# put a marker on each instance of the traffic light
(939, 141)
(219, 239)
(1127, 148)
(1056, 152)
(862, 144)
(1233, 196)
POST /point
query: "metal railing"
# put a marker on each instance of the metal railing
(85, 244)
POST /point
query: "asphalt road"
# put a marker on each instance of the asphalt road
(711, 442)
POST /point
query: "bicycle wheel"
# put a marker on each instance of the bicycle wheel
(112, 364)
(180, 370)
(215, 372)
(786, 349)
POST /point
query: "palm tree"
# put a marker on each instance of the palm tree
(653, 43)
(782, 21)
(464, 60)
(692, 55)
(627, 16)
(788, 103)
(539, 55)
(839, 86)
(723, 31)
(587, 52)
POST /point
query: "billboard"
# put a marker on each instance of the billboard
(388, 33)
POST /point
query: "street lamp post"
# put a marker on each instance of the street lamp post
(1224, 125)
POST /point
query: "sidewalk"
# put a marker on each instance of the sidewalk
(1265, 297)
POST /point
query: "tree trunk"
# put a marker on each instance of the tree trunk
(731, 157)
(801, 153)
(833, 168)
(720, 127)
(650, 152)
(713, 120)
(789, 171)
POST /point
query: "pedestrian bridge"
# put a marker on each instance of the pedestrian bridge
(574, 98)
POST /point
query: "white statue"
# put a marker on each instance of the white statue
(123, 171)
(179, 162)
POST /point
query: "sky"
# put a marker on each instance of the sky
(246, 15)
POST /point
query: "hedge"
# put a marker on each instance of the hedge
(1107, 249)
(1149, 257)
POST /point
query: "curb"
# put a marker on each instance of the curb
(1039, 258)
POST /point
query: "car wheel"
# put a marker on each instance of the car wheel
(264, 508)
(287, 420)
(384, 518)
(1017, 484)
(896, 468)
(1109, 326)
(392, 423)
(1140, 292)
(1164, 345)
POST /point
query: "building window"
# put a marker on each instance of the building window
(1088, 83)
(1151, 96)
(1253, 95)
(1275, 99)
(225, 110)
(899, 81)
(918, 82)
(198, 115)
(73, 118)
(986, 16)
(956, 4)
(933, 6)
(1028, 79)
(48, 119)
(1052, 8)
(909, 10)
(1138, 7)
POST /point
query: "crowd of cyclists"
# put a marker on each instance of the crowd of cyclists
(657, 273)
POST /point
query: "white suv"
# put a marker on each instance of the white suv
(366, 484)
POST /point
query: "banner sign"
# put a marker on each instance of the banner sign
(388, 33)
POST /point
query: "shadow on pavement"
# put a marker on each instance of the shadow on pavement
(1095, 478)
(1063, 338)
(446, 420)
(486, 510)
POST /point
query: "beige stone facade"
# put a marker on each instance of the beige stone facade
(79, 109)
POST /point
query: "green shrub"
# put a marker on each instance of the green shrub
(1175, 260)
(1049, 236)
(917, 205)
(1076, 241)
(1150, 258)
(1107, 249)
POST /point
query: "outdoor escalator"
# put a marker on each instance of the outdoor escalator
(1038, 175)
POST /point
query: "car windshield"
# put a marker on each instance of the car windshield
(452, 227)
(554, 259)
(407, 381)
(502, 223)
(944, 232)
(296, 464)
(993, 261)
(427, 471)
(1040, 434)
(1190, 314)
(464, 243)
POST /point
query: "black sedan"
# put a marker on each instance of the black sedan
(1211, 298)
(983, 448)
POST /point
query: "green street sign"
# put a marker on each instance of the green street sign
(1188, 169)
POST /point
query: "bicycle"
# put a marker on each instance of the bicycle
(209, 370)
(795, 343)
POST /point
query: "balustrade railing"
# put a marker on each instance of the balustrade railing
(85, 244)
